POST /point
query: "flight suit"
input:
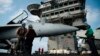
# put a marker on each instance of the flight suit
(91, 42)
(21, 38)
(28, 41)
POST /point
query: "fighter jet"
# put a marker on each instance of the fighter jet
(8, 32)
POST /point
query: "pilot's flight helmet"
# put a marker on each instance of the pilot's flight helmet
(30, 26)
(23, 24)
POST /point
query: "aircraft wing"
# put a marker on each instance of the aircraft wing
(8, 31)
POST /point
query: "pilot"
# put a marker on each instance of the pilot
(21, 37)
(29, 39)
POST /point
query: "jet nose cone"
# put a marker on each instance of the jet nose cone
(74, 28)
(67, 28)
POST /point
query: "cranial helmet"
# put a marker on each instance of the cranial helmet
(30, 26)
(23, 24)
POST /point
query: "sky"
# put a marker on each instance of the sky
(9, 9)
(93, 13)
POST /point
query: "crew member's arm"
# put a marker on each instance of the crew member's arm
(18, 32)
(26, 32)
(34, 33)
(86, 32)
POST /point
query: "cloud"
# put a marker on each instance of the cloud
(93, 15)
(5, 5)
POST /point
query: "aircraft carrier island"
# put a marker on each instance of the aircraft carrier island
(60, 20)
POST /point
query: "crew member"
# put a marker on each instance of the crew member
(21, 37)
(90, 41)
(29, 39)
